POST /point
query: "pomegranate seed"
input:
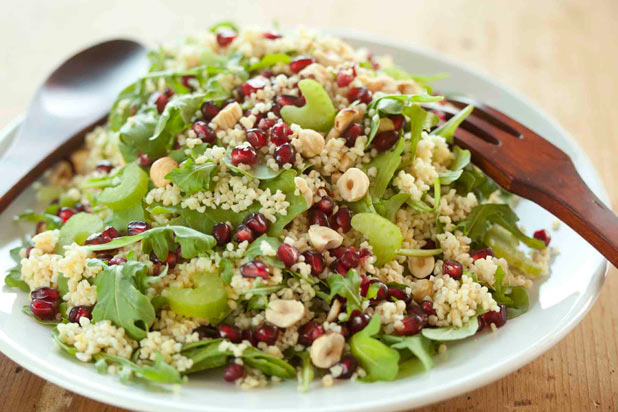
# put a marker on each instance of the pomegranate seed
(222, 232)
(418, 311)
(254, 269)
(256, 222)
(209, 109)
(204, 132)
(300, 62)
(110, 233)
(243, 233)
(310, 332)
(206, 331)
(452, 268)
(350, 259)
(229, 332)
(144, 160)
(410, 325)
(481, 253)
(65, 213)
(345, 331)
(382, 291)
(279, 134)
(344, 79)
(267, 333)
(136, 227)
(104, 166)
(266, 124)
(385, 140)
(44, 309)
(257, 138)
(497, 318)
(398, 121)
(80, 207)
(249, 336)
(78, 312)
(398, 294)
(317, 217)
(117, 260)
(45, 293)
(348, 365)
(316, 261)
(252, 85)
(358, 321)
(427, 307)
(338, 267)
(161, 101)
(429, 244)
(285, 154)
(225, 37)
(543, 236)
(271, 35)
(266, 73)
(244, 154)
(325, 204)
(481, 324)
(170, 260)
(289, 100)
(28, 250)
(338, 251)
(233, 372)
(288, 254)
(351, 134)
(342, 220)
(359, 93)
(186, 81)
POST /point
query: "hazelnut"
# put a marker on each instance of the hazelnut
(422, 289)
(284, 313)
(353, 184)
(228, 116)
(311, 143)
(326, 350)
(323, 237)
(346, 117)
(305, 191)
(160, 168)
(421, 267)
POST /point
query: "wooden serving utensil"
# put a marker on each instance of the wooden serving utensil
(524, 163)
(74, 99)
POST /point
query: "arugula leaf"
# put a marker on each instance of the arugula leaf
(307, 371)
(418, 345)
(270, 60)
(379, 361)
(128, 101)
(474, 180)
(504, 245)
(447, 130)
(226, 270)
(268, 364)
(135, 137)
(516, 301)
(192, 178)
(389, 207)
(452, 333)
(285, 183)
(347, 287)
(67, 348)
(120, 218)
(159, 371)
(386, 164)
(13, 278)
(120, 301)
(417, 117)
(255, 249)
(177, 114)
(462, 159)
(51, 221)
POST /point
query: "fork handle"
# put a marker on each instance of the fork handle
(571, 200)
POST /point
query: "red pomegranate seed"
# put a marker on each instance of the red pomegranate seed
(209, 109)
(317, 217)
(229, 332)
(359, 93)
(348, 365)
(429, 244)
(254, 269)
(310, 332)
(288, 254)
(28, 250)
(80, 207)
(497, 318)
(249, 336)
(427, 307)
(342, 220)
(410, 325)
(170, 260)
(338, 267)
(244, 233)
(256, 222)
(543, 236)
(233, 372)
(266, 123)
(136, 227)
(117, 260)
(300, 62)
(481, 253)
(350, 259)
(326, 205)
(289, 100)
(45, 293)
(345, 331)
(344, 79)
(252, 85)
(316, 261)
(144, 160)
(382, 290)
(257, 138)
(481, 324)
(358, 321)
(78, 312)
(225, 37)
(398, 294)
(65, 213)
(285, 154)
(279, 134)
(244, 154)
(104, 166)
(110, 233)
(338, 251)
(206, 331)
(161, 101)
(266, 73)
(413, 309)
(271, 35)
(222, 232)
(452, 268)
(364, 254)
(267, 333)
(385, 140)
(186, 81)
(398, 121)
(204, 132)
(351, 134)
(44, 309)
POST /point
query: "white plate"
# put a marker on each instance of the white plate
(557, 304)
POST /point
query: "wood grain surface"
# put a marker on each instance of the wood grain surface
(561, 54)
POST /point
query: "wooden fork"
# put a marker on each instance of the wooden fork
(524, 163)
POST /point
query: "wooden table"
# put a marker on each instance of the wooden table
(561, 54)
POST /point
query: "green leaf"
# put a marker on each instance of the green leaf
(226, 270)
(504, 245)
(205, 354)
(474, 180)
(258, 171)
(13, 280)
(388, 208)
(417, 117)
(270, 60)
(307, 371)
(128, 101)
(120, 218)
(386, 164)
(77, 229)
(177, 115)
(347, 287)
(268, 364)
(27, 311)
(285, 183)
(418, 345)
(255, 250)
(317, 114)
(67, 348)
(120, 301)
(379, 361)
(51, 221)
(384, 236)
(462, 159)
(192, 178)
(520, 302)
(223, 25)
(135, 137)
(452, 333)
(159, 371)
(447, 130)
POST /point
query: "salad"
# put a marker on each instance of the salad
(275, 206)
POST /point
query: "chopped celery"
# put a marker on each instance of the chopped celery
(504, 245)
(207, 301)
(384, 236)
(77, 229)
(318, 113)
(129, 192)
